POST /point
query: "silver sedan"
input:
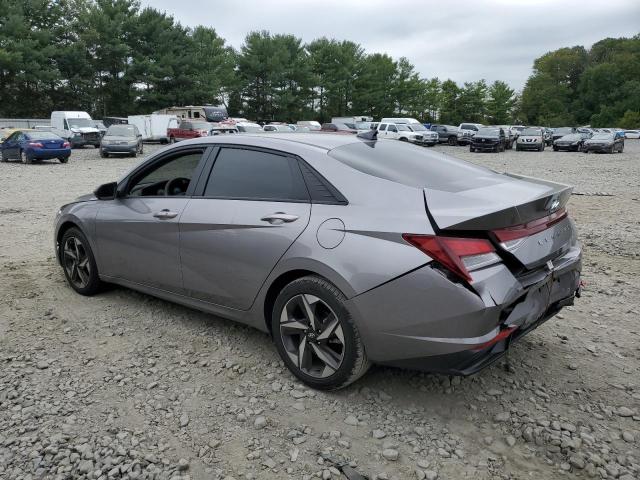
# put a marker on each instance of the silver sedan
(346, 249)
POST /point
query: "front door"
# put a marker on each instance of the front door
(11, 146)
(137, 233)
(253, 207)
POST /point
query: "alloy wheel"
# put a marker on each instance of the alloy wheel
(76, 262)
(312, 336)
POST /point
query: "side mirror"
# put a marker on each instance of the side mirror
(106, 191)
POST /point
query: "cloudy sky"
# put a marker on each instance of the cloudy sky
(462, 39)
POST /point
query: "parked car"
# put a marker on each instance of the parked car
(466, 131)
(531, 139)
(102, 129)
(488, 139)
(429, 138)
(186, 129)
(604, 143)
(509, 135)
(248, 127)
(337, 127)
(399, 131)
(311, 124)
(31, 145)
(223, 129)
(562, 131)
(121, 139)
(77, 128)
(446, 133)
(574, 142)
(277, 128)
(632, 133)
(547, 134)
(322, 246)
(517, 129)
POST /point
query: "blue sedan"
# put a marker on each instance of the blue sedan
(31, 145)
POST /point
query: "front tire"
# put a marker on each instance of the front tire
(471, 149)
(453, 141)
(24, 158)
(78, 263)
(316, 336)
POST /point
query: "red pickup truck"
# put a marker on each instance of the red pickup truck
(187, 129)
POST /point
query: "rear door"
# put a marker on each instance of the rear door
(252, 207)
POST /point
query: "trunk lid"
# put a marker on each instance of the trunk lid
(504, 201)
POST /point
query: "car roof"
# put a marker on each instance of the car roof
(324, 141)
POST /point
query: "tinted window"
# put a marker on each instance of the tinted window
(412, 166)
(151, 182)
(240, 173)
(392, 128)
(383, 127)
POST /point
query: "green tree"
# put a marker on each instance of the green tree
(373, 94)
(449, 100)
(630, 120)
(500, 103)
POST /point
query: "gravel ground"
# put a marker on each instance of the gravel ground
(123, 385)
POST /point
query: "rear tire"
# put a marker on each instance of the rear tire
(104, 154)
(453, 141)
(302, 349)
(555, 149)
(78, 263)
(63, 159)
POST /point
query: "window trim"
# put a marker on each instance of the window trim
(293, 164)
(123, 186)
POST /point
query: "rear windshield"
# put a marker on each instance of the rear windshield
(413, 166)
(42, 136)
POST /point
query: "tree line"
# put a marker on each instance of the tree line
(114, 58)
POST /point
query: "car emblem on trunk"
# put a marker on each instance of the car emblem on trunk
(554, 205)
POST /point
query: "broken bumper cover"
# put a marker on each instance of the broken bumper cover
(424, 321)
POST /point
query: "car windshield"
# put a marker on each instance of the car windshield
(531, 131)
(121, 131)
(403, 128)
(572, 136)
(42, 136)
(602, 136)
(80, 122)
(417, 127)
(363, 125)
(200, 125)
(563, 131)
(488, 131)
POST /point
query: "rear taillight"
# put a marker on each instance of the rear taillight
(520, 231)
(66, 145)
(35, 144)
(459, 255)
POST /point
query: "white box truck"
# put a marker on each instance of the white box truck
(76, 127)
(153, 127)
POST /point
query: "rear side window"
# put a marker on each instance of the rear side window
(255, 175)
(415, 167)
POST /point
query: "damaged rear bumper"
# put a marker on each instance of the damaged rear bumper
(425, 321)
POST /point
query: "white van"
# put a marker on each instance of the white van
(76, 127)
(153, 128)
(429, 138)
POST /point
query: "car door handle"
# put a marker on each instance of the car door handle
(279, 218)
(165, 214)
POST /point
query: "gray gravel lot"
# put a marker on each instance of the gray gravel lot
(123, 385)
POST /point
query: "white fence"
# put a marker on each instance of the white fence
(23, 122)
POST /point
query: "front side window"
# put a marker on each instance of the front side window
(170, 177)
(392, 128)
(254, 175)
(383, 127)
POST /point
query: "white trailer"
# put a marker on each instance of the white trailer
(153, 128)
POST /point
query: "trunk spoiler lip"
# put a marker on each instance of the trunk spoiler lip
(547, 203)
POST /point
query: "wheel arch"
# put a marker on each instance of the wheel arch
(288, 276)
(62, 229)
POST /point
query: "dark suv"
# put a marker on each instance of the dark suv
(490, 139)
(446, 133)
